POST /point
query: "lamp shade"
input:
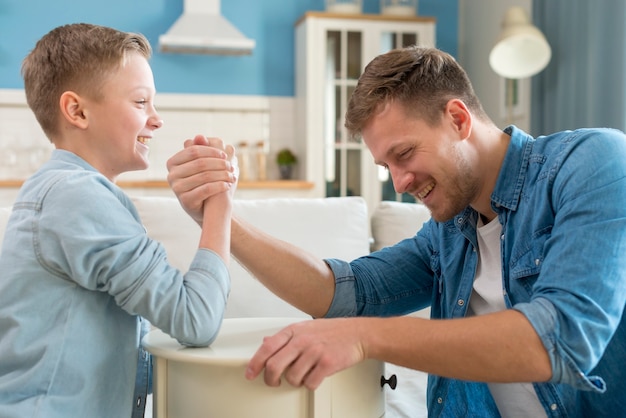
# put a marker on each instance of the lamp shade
(522, 50)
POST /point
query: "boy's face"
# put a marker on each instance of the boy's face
(123, 120)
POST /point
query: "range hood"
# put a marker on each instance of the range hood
(201, 29)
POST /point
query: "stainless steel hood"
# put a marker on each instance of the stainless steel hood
(201, 29)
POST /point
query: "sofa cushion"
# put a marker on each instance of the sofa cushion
(326, 227)
(395, 221)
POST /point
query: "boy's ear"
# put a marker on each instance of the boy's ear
(72, 109)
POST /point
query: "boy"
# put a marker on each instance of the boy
(78, 270)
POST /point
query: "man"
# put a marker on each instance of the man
(522, 262)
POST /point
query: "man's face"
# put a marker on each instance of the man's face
(430, 163)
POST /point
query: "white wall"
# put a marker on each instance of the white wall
(479, 26)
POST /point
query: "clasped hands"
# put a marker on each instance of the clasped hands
(204, 168)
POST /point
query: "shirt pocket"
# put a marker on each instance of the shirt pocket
(526, 261)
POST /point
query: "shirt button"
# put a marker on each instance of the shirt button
(439, 400)
(502, 237)
(553, 407)
(461, 302)
(537, 262)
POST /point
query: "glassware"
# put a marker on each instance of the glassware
(8, 162)
(398, 7)
(243, 154)
(344, 6)
(261, 161)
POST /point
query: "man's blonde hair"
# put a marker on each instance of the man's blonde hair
(421, 79)
(77, 57)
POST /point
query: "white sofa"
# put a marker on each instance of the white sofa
(327, 227)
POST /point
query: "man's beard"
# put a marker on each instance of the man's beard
(459, 190)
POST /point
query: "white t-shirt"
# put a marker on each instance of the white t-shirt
(515, 400)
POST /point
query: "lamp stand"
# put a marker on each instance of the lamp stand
(510, 91)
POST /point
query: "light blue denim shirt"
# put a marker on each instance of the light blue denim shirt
(561, 200)
(77, 273)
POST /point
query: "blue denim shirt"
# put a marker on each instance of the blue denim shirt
(561, 200)
(78, 271)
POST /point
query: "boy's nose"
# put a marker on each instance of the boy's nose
(156, 122)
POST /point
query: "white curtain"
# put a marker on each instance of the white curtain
(585, 83)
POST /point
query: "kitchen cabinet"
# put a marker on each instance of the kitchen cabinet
(331, 52)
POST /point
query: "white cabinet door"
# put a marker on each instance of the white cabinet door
(331, 52)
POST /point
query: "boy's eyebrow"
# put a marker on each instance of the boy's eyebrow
(143, 89)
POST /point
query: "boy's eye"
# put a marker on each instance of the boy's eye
(141, 102)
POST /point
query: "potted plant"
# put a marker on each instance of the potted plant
(286, 159)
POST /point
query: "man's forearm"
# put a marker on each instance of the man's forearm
(301, 279)
(499, 347)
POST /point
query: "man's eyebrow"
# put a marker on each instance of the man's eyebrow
(391, 151)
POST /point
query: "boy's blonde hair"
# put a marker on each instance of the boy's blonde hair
(77, 57)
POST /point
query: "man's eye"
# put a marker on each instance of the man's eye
(405, 154)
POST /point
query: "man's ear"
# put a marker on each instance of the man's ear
(72, 109)
(460, 117)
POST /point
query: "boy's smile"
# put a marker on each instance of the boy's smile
(143, 140)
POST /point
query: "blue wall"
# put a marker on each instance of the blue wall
(269, 71)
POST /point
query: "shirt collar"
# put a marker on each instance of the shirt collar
(508, 187)
(509, 184)
(69, 157)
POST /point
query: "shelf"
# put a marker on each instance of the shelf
(11, 183)
(367, 16)
(158, 184)
(276, 184)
